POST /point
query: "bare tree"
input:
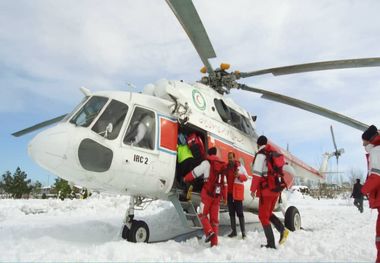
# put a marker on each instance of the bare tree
(354, 174)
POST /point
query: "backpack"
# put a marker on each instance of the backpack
(217, 182)
(275, 163)
(196, 146)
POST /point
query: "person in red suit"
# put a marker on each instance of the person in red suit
(371, 187)
(236, 176)
(213, 190)
(262, 188)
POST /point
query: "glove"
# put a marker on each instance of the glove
(189, 177)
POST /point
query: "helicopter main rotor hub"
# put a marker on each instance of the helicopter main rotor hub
(222, 81)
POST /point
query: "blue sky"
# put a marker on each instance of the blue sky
(49, 49)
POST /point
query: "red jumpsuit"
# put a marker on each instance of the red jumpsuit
(235, 193)
(238, 190)
(371, 187)
(268, 198)
(214, 188)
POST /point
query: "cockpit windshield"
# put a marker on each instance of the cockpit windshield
(68, 116)
(89, 111)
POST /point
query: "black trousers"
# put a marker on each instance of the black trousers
(358, 202)
(183, 168)
(234, 206)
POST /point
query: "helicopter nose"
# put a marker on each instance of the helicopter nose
(48, 148)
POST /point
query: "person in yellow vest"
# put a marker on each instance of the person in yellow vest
(185, 159)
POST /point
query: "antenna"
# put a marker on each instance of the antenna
(131, 86)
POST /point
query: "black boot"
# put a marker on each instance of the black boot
(270, 237)
(209, 236)
(233, 227)
(284, 232)
(242, 226)
(277, 224)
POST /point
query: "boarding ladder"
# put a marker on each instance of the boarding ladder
(186, 212)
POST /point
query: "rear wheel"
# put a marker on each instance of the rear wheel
(292, 219)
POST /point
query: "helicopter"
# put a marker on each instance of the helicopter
(96, 146)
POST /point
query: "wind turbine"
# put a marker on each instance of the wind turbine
(337, 153)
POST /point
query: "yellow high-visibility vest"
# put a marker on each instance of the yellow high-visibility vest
(184, 153)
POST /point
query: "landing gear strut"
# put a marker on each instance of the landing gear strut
(135, 231)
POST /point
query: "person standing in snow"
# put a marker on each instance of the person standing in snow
(236, 176)
(268, 198)
(213, 190)
(371, 187)
(357, 195)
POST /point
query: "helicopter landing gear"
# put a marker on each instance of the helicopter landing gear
(136, 231)
(139, 232)
(292, 219)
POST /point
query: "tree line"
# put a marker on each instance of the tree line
(17, 185)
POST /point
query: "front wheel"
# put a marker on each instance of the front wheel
(292, 219)
(125, 232)
(139, 232)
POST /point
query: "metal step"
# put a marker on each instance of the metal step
(191, 213)
(186, 212)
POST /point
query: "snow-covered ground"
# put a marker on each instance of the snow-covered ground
(89, 230)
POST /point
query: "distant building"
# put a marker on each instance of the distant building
(47, 192)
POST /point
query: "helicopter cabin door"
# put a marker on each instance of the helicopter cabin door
(145, 169)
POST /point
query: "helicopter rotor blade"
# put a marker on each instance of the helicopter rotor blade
(333, 138)
(269, 95)
(188, 16)
(316, 66)
(39, 126)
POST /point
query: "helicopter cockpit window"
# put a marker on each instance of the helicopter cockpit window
(89, 111)
(68, 116)
(109, 123)
(141, 130)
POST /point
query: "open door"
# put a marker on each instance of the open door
(192, 145)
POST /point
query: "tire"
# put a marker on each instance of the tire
(125, 232)
(139, 232)
(292, 219)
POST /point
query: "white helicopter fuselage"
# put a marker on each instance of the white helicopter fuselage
(108, 160)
